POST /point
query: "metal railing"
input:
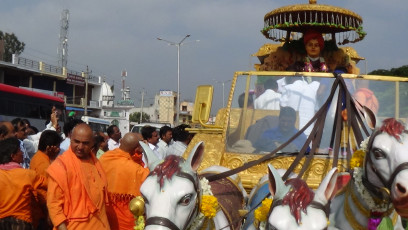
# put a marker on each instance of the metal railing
(52, 69)
(31, 64)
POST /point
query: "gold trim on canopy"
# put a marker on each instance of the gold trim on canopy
(324, 18)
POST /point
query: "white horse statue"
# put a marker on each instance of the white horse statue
(295, 206)
(379, 190)
(176, 199)
(258, 193)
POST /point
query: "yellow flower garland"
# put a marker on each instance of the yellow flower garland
(261, 213)
(140, 223)
(209, 206)
(357, 160)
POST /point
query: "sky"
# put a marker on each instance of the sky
(111, 36)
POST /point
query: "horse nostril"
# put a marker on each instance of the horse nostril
(401, 188)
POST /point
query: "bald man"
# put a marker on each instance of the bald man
(6, 130)
(77, 186)
(125, 177)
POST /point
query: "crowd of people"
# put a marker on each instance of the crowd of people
(78, 178)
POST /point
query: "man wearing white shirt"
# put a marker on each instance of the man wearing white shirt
(114, 137)
(166, 135)
(301, 96)
(150, 135)
(181, 140)
(32, 142)
(270, 98)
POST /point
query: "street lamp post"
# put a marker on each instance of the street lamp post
(141, 107)
(223, 91)
(177, 44)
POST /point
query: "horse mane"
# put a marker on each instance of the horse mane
(393, 127)
(298, 198)
(166, 169)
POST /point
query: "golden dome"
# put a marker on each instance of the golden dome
(266, 49)
(352, 53)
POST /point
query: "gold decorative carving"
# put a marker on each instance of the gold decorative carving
(266, 49)
(216, 155)
(313, 7)
(213, 148)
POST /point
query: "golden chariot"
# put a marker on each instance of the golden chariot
(231, 140)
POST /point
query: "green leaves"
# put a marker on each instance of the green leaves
(135, 117)
(11, 45)
(386, 224)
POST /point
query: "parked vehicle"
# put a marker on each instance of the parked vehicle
(137, 127)
(97, 124)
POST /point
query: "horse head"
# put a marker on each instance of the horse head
(172, 190)
(296, 206)
(386, 165)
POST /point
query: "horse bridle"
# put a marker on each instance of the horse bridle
(157, 220)
(381, 192)
(313, 204)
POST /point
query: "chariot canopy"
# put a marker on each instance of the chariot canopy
(343, 25)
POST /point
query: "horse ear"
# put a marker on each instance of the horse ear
(330, 185)
(342, 181)
(276, 185)
(196, 156)
(152, 160)
(370, 117)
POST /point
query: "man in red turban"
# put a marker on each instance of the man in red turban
(314, 44)
(313, 62)
(316, 37)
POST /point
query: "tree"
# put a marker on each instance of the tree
(385, 91)
(400, 71)
(11, 45)
(135, 117)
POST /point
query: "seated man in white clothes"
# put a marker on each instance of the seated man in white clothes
(301, 96)
(269, 99)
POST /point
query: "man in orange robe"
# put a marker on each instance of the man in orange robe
(48, 149)
(125, 177)
(77, 186)
(17, 187)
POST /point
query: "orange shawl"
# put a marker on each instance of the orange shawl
(125, 177)
(118, 165)
(17, 187)
(40, 162)
(66, 170)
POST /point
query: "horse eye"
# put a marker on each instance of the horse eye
(146, 201)
(379, 154)
(270, 227)
(185, 200)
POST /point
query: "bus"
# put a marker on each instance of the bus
(97, 124)
(31, 105)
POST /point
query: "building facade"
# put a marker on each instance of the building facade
(164, 109)
(83, 93)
